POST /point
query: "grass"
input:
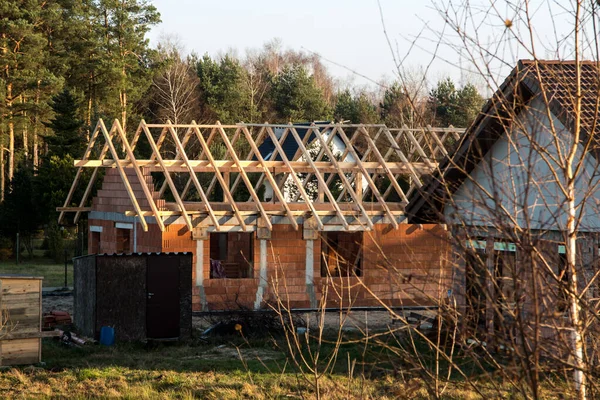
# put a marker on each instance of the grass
(53, 273)
(200, 370)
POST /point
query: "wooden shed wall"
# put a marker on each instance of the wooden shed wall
(21, 303)
(121, 295)
(84, 295)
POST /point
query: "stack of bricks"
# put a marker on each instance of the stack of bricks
(113, 196)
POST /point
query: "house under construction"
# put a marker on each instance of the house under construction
(312, 215)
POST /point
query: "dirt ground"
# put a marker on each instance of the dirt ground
(352, 321)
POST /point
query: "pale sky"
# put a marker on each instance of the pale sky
(349, 32)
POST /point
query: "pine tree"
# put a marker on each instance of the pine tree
(357, 109)
(126, 48)
(296, 97)
(21, 56)
(66, 126)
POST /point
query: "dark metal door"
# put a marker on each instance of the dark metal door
(162, 304)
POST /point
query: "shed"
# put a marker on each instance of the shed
(21, 305)
(143, 296)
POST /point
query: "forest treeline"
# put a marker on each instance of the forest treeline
(67, 63)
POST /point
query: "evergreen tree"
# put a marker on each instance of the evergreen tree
(223, 93)
(66, 126)
(396, 109)
(357, 109)
(452, 106)
(18, 212)
(52, 183)
(22, 57)
(296, 97)
(127, 55)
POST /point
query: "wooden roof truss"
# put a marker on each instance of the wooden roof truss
(216, 175)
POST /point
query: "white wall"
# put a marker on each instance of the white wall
(515, 183)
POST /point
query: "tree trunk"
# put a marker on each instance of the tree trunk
(576, 324)
(2, 178)
(11, 147)
(11, 133)
(35, 126)
(123, 96)
(25, 134)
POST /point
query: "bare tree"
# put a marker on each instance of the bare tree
(528, 180)
(176, 87)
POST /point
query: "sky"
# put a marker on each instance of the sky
(349, 34)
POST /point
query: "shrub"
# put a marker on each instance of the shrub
(55, 242)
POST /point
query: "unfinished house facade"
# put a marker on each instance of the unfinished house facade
(502, 193)
(304, 215)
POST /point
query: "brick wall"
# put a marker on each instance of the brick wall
(113, 196)
(402, 267)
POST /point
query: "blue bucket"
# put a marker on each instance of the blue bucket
(107, 335)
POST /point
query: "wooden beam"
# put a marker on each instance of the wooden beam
(121, 170)
(255, 166)
(245, 178)
(390, 175)
(261, 133)
(307, 199)
(74, 209)
(186, 161)
(184, 143)
(168, 179)
(271, 158)
(189, 181)
(86, 155)
(317, 158)
(320, 179)
(270, 178)
(368, 178)
(343, 178)
(220, 178)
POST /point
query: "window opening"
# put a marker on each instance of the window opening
(341, 254)
(231, 255)
(123, 240)
(94, 246)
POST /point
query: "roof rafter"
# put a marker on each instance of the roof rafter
(316, 171)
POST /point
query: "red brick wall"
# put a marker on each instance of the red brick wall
(113, 196)
(401, 267)
(286, 271)
(146, 241)
(407, 266)
(404, 266)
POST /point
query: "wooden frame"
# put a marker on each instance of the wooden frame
(315, 171)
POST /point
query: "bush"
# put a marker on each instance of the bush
(56, 244)
(5, 254)
(6, 249)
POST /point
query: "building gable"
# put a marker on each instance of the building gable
(515, 182)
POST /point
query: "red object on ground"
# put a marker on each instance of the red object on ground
(54, 318)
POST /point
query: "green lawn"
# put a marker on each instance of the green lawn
(53, 274)
(216, 371)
